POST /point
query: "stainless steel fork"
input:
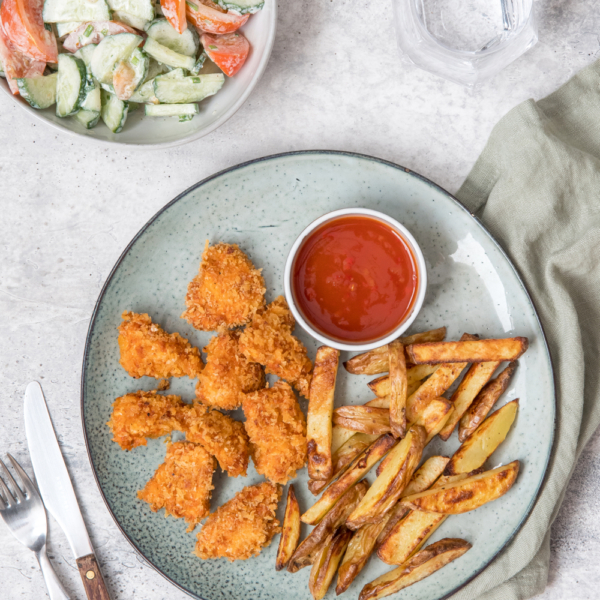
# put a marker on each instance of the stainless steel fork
(25, 515)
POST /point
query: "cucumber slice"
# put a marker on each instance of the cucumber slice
(88, 118)
(199, 63)
(63, 29)
(155, 68)
(40, 92)
(131, 20)
(144, 94)
(93, 100)
(114, 111)
(167, 56)
(143, 9)
(85, 53)
(188, 89)
(130, 73)
(183, 111)
(65, 11)
(71, 86)
(163, 32)
(110, 51)
(242, 7)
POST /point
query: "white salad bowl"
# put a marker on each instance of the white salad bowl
(164, 132)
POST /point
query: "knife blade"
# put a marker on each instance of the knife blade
(57, 491)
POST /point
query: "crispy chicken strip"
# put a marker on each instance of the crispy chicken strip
(182, 485)
(146, 349)
(142, 415)
(243, 526)
(227, 291)
(268, 340)
(277, 430)
(219, 435)
(228, 374)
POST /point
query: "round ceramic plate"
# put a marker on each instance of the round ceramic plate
(262, 206)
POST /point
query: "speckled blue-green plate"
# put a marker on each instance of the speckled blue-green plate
(262, 206)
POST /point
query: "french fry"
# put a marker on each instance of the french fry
(290, 532)
(320, 409)
(433, 416)
(421, 565)
(466, 495)
(366, 419)
(360, 466)
(414, 376)
(480, 445)
(339, 436)
(437, 427)
(467, 351)
(307, 551)
(399, 467)
(473, 381)
(376, 361)
(484, 402)
(398, 389)
(343, 457)
(326, 564)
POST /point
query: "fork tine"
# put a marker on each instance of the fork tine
(28, 485)
(8, 500)
(16, 489)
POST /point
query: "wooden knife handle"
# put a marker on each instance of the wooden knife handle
(93, 582)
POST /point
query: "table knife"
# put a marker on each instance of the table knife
(57, 490)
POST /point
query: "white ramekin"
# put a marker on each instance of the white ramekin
(421, 270)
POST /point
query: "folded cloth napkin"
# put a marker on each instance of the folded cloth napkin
(536, 187)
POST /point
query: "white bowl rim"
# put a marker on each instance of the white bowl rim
(262, 65)
(422, 282)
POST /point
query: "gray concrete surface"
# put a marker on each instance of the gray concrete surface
(69, 208)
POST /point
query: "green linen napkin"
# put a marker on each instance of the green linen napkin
(536, 187)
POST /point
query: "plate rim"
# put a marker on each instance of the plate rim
(315, 153)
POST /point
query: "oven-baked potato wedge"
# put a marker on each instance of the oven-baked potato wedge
(290, 531)
(326, 564)
(414, 377)
(421, 565)
(320, 409)
(366, 419)
(360, 466)
(469, 351)
(480, 445)
(466, 495)
(398, 389)
(375, 361)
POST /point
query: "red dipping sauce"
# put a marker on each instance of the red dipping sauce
(355, 279)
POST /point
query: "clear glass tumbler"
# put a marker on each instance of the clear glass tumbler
(465, 41)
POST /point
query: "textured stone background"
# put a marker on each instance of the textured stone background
(335, 81)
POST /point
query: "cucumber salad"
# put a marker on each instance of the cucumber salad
(100, 59)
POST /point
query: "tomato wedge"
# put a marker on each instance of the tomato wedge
(174, 11)
(94, 33)
(24, 27)
(228, 52)
(16, 64)
(209, 17)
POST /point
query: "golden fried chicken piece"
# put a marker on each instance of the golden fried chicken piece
(277, 430)
(219, 435)
(243, 526)
(142, 415)
(182, 485)
(228, 374)
(227, 291)
(268, 340)
(146, 349)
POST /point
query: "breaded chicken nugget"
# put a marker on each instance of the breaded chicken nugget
(277, 430)
(243, 526)
(182, 485)
(228, 374)
(227, 291)
(142, 415)
(219, 435)
(268, 340)
(146, 349)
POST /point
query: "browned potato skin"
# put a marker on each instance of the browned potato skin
(421, 565)
(398, 389)
(392, 518)
(366, 419)
(468, 494)
(376, 361)
(321, 575)
(468, 351)
(484, 402)
(307, 551)
(290, 533)
(361, 465)
(414, 375)
(320, 409)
